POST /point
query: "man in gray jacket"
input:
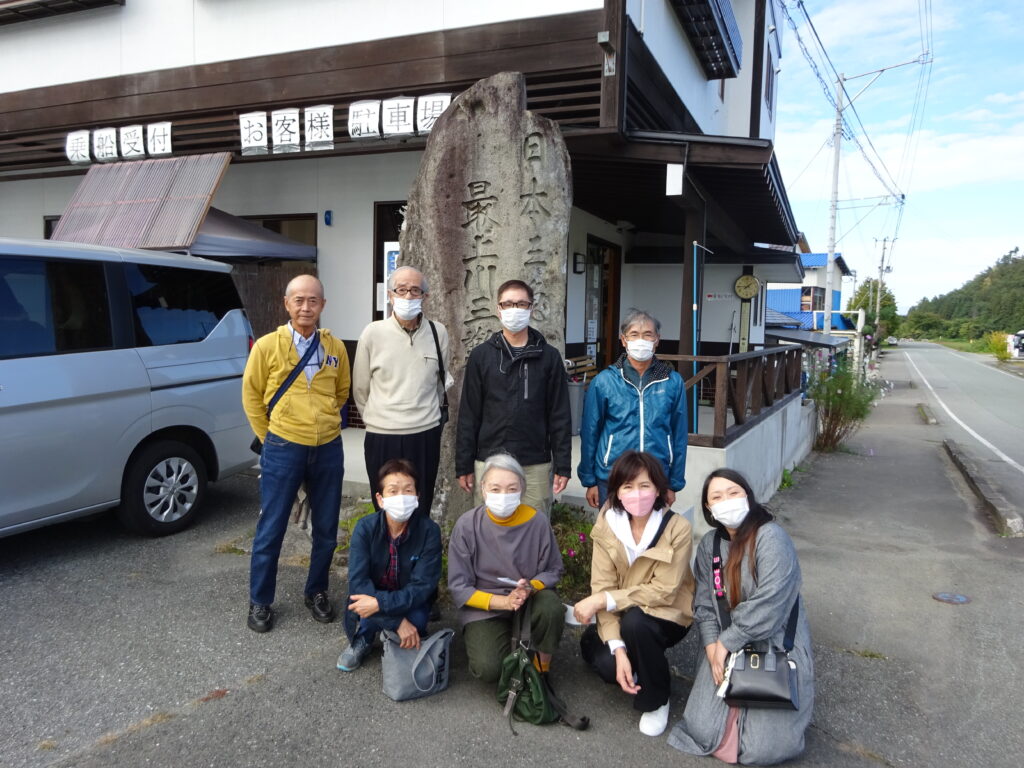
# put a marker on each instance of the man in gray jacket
(396, 384)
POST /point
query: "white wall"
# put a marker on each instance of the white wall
(780, 442)
(717, 314)
(655, 288)
(668, 42)
(348, 186)
(23, 204)
(737, 89)
(144, 35)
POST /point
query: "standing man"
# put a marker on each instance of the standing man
(515, 399)
(396, 383)
(637, 404)
(301, 437)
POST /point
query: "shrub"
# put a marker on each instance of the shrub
(995, 342)
(843, 400)
(572, 526)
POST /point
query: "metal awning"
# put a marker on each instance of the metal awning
(157, 203)
(773, 265)
(625, 179)
(225, 237)
(807, 338)
(775, 319)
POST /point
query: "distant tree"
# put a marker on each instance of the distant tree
(865, 296)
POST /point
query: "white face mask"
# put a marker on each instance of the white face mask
(406, 309)
(502, 505)
(640, 350)
(732, 512)
(399, 508)
(515, 319)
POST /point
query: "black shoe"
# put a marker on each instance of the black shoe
(320, 607)
(261, 618)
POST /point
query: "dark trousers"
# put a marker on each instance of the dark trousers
(370, 627)
(646, 638)
(488, 641)
(422, 449)
(284, 466)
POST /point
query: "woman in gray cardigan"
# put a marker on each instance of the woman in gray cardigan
(761, 577)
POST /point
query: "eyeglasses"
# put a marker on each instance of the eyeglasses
(515, 304)
(403, 292)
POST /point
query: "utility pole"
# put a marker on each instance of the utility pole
(878, 288)
(837, 140)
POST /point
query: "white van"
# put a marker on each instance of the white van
(120, 384)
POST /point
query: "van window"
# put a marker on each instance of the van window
(49, 307)
(177, 306)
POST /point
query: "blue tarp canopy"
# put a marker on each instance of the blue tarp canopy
(226, 237)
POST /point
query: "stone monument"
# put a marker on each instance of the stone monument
(491, 202)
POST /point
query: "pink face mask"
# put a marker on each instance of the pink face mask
(638, 503)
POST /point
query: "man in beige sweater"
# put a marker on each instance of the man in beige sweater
(396, 384)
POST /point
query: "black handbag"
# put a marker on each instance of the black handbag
(256, 446)
(763, 679)
(440, 375)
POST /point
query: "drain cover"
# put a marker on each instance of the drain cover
(951, 597)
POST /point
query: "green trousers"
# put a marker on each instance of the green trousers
(488, 641)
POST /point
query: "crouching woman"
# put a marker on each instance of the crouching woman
(642, 587)
(394, 565)
(503, 555)
(759, 578)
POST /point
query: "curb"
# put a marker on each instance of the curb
(926, 414)
(1006, 517)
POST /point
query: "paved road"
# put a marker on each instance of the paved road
(120, 651)
(978, 404)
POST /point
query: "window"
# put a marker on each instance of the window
(49, 307)
(812, 299)
(177, 306)
(769, 83)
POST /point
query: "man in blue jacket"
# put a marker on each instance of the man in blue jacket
(637, 404)
(394, 565)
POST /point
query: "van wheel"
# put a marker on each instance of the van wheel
(164, 488)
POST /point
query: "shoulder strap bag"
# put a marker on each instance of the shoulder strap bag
(440, 375)
(524, 690)
(764, 679)
(256, 446)
(412, 674)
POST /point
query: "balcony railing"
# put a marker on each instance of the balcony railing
(714, 33)
(740, 391)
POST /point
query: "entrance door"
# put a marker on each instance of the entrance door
(601, 301)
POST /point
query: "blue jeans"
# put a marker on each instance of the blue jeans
(602, 493)
(370, 627)
(284, 466)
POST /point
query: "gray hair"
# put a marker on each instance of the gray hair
(634, 316)
(297, 278)
(506, 462)
(423, 280)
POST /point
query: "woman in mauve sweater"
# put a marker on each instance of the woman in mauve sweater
(501, 555)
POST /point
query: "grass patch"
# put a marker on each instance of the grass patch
(866, 653)
(787, 480)
(229, 548)
(46, 745)
(965, 345)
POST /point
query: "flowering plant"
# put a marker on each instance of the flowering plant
(572, 526)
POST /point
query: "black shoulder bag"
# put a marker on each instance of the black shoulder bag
(759, 679)
(256, 446)
(440, 375)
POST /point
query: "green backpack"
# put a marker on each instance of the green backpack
(523, 689)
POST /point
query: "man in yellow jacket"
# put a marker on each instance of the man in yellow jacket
(301, 440)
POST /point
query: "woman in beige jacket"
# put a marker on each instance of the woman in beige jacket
(641, 585)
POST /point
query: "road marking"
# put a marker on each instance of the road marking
(983, 365)
(955, 418)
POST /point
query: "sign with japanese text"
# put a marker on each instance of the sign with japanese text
(285, 129)
(397, 116)
(428, 109)
(319, 127)
(253, 129)
(158, 139)
(364, 120)
(76, 147)
(104, 144)
(133, 140)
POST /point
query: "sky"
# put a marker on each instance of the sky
(965, 187)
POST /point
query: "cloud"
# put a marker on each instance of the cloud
(1005, 98)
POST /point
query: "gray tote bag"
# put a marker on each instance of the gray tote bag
(411, 673)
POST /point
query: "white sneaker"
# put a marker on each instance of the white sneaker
(654, 723)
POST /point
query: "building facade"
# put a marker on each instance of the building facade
(668, 109)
